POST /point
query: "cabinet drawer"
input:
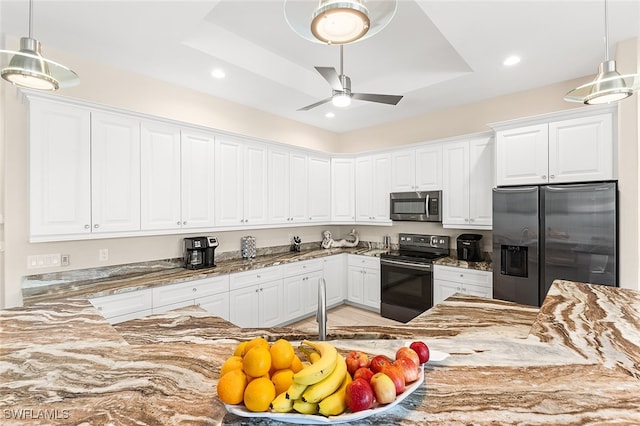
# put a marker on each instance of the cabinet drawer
(256, 276)
(463, 275)
(189, 290)
(124, 303)
(297, 268)
(364, 261)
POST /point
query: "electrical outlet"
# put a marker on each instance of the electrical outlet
(65, 260)
(103, 255)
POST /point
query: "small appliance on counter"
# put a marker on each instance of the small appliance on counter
(296, 244)
(199, 252)
(470, 247)
(248, 247)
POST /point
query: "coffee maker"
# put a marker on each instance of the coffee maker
(199, 252)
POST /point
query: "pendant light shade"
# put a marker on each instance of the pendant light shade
(608, 85)
(27, 67)
(338, 21)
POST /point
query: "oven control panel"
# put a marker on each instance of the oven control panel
(421, 241)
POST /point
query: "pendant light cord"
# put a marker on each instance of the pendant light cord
(30, 17)
(341, 59)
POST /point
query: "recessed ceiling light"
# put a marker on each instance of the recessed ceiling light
(330, 114)
(217, 73)
(511, 60)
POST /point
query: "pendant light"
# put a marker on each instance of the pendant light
(609, 85)
(338, 21)
(27, 67)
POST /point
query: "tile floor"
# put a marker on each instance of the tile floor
(346, 315)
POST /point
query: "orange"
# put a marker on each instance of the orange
(240, 348)
(296, 364)
(258, 394)
(231, 387)
(256, 362)
(258, 341)
(232, 363)
(282, 379)
(281, 354)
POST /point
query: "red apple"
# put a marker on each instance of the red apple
(355, 360)
(409, 369)
(379, 361)
(405, 352)
(363, 372)
(422, 350)
(396, 376)
(383, 388)
(359, 395)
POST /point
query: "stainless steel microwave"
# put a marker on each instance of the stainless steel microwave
(419, 206)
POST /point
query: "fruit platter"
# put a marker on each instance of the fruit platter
(310, 382)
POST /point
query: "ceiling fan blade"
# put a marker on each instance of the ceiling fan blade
(308, 107)
(382, 99)
(331, 75)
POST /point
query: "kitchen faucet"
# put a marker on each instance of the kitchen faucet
(321, 314)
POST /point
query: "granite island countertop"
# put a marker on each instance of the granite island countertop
(576, 360)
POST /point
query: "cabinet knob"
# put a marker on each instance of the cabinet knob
(194, 289)
(87, 226)
(471, 220)
(261, 289)
(461, 275)
(257, 290)
(178, 223)
(552, 176)
(184, 223)
(96, 225)
(466, 220)
(544, 177)
(258, 276)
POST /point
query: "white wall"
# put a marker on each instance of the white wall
(116, 88)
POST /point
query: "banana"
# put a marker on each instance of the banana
(303, 407)
(335, 404)
(295, 391)
(322, 367)
(325, 387)
(282, 404)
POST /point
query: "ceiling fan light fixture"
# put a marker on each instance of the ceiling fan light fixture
(340, 21)
(341, 100)
(28, 69)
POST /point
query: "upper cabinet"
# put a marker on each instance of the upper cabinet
(373, 185)
(197, 153)
(343, 209)
(417, 169)
(576, 149)
(319, 188)
(467, 183)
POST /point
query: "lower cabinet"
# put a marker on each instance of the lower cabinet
(125, 306)
(211, 294)
(448, 280)
(301, 288)
(256, 298)
(364, 281)
(334, 269)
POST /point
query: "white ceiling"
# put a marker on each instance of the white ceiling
(437, 54)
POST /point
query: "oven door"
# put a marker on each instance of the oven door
(406, 289)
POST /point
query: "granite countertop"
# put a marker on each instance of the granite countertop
(576, 360)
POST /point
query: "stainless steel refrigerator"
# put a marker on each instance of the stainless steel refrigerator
(543, 233)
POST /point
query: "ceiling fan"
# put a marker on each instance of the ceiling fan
(341, 89)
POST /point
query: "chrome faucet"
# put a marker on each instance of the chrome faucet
(321, 314)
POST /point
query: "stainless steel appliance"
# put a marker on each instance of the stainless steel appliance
(469, 247)
(406, 275)
(417, 206)
(199, 252)
(543, 233)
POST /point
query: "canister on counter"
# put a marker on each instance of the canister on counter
(248, 247)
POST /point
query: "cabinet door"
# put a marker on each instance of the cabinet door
(381, 180)
(300, 194)
(115, 173)
(116, 307)
(59, 171)
(198, 153)
(444, 289)
(279, 186)
(403, 173)
(428, 168)
(160, 176)
(342, 190)
(255, 184)
(371, 288)
(335, 278)
(271, 304)
(476, 290)
(294, 295)
(455, 183)
(481, 181)
(217, 304)
(229, 192)
(522, 155)
(310, 300)
(355, 289)
(581, 149)
(244, 305)
(364, 189)
(319, 189)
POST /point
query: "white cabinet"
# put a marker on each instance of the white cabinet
(241, 182)
(124, 306)
(59, 169)
(256, 298)
(212, 294)
(373, 185)
(160, 176)
(319, 201)
(197, 179)
(417, 169)
(364, 281)
(343, 190)
(557, 151)
(335, 278)
(448, 280)
(301, 288)
(467, 183)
